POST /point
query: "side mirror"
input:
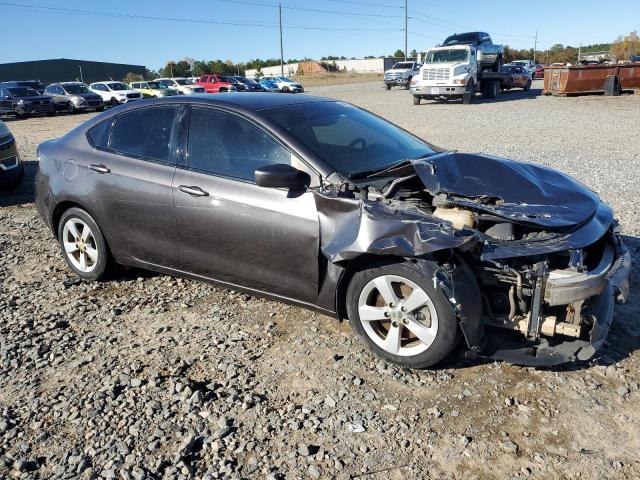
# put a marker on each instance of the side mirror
(281, 175)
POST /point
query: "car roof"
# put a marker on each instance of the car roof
(241, 101)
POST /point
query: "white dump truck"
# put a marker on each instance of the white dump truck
(455, 71)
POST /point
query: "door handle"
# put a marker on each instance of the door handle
(99, 168)
(193, 191)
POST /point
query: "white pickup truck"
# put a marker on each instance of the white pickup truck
(455, 71)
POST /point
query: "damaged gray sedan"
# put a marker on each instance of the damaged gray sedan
(319, 203)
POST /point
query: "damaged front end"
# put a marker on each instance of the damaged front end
(544, 250)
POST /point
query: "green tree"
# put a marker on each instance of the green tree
(398, 54)
(413, 53)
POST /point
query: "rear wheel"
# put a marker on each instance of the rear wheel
(416, 99)
(400, 316)
(114, 102)
(387, 86)
(83, 245)
(70, 108)
(527, 86)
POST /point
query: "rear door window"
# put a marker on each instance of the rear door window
(145, 133)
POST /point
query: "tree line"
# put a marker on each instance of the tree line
(623, 48)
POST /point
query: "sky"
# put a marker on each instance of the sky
(239, 30)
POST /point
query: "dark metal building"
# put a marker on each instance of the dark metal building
(64, 69)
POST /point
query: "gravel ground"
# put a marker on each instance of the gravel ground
(148, 376)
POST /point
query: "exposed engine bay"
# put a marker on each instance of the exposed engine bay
(544, 249)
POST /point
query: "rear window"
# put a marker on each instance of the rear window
(99, 135)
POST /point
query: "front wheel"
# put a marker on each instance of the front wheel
(71, 108)
(527, 86)
(416, 99)
(83, 245)
(399, 314)
(387, 86)
(114, 102)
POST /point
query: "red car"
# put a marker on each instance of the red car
(538, 72)
(216, 83)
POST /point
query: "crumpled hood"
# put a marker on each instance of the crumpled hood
(522, 192)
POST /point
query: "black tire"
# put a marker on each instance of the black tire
(100, 109)
(387, 86)
(408, 85)
(114, 102)
(285, 89)
(527, 86)
(420, 274)
(70, 108)
(103, 265)
(416, 99)
(498, 64)
(52, 114)
(510, 84)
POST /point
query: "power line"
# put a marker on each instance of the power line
(365, 4)
(71, 11)
(313, 10)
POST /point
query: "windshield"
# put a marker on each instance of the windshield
(76, 89)
(447, 56)
(284, 79)
(30, 84)
(461, 38)
(182, 81)
(23, 92)
(352, 141)
(156, 85)
(403, 65)
(521, 64)
(117, 86)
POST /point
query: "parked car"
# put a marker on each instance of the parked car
(250, 85)
(153, 89)
(286, 85)
(635, 58)
(269, 85)
(217, 84)
(37, 85)
(527, 64)
(518, 76)
(184, 86)
(332, 208)
(400, 74)
(115, 93)
(73, 97)
(24, 102)
(11, 167)
(539, 71)
(490, 56)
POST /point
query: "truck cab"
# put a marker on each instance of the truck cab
(490, 56)
(447, 72)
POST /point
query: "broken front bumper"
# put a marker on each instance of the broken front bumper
(600, 287)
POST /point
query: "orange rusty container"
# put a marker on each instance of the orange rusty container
(565, 80)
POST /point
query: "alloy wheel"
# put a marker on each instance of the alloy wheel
(80, 245)
(398, 315)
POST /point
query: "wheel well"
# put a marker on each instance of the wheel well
(59, 210)
(353, 266)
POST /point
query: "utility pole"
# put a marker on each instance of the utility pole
(579, 51)
(405, 28)
(81, 79)
(281, 50)
(535, 46)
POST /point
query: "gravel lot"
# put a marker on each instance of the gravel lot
(148, 376)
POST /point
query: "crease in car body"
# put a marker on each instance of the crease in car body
(490, 244)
